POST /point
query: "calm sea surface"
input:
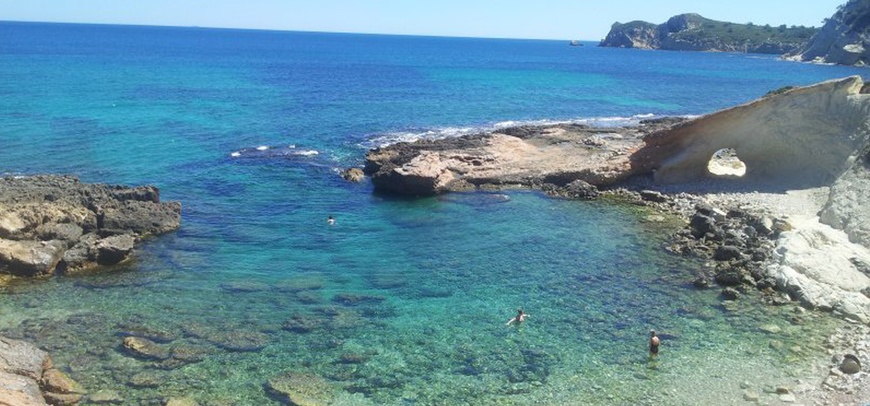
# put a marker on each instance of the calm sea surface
(406, 300)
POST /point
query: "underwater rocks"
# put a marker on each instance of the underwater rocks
(520, 157)
(28, 378)
(55, 223)
(145, 349)
(301, 389)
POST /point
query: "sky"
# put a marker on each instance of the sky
(533, 19)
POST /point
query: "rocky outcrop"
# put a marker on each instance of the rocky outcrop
(525, 157)
(848, 208)
(51, 223)
(844, 39)
(28, 378)
(818, 266)
(691, 32)
(806, 135)
(301, 389)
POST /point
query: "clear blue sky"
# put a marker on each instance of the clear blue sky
(553, 19)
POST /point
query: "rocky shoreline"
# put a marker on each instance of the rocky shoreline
(788, 246)
(57, 225)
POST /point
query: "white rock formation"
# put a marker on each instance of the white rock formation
(819, 266)
(805, 135)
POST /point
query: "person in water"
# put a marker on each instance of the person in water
(653, 343)
(330, 221)
(520, 317)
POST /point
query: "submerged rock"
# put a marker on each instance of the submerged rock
(301, 389)
(350, 299)
(106, 397)
(145, 349)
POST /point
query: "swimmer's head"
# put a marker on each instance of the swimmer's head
(652, 333)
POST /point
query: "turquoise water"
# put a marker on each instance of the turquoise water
(435, 279)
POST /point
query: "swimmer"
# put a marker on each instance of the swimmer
(330, 221)
(520, 317)
(653, 343)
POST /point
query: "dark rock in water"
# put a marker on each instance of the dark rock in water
(851, 364)
(350, 299)
(301, 324)
(301, 389)
(727, 253)
(241, 340)
(353, 358)
(576, 190)
(106, 397)
(145, 349)
(434, 292)
(244, 286)
(157, 335)
(702, 225)
(730, 293)
(146, 379)
(308, 297)
(388, 281)
(299, 283)
(653, 196)
(702, 282)
(353, 175)
(115, 249)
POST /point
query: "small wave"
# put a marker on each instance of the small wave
(451, 132)
(266, 151)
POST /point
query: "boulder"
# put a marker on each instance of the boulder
(353, 175)
(22, 358)
(30, 258)
(701, 225)
(56, 381)
(114, 249)
(62, 399)
(851, 364)
(727, 253)
(141, 218)
(301, 389)
(17, 390)
(653, 196)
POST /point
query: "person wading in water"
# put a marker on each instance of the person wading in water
(520, 317)
(653, 343)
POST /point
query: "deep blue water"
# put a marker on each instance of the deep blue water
(169, 106)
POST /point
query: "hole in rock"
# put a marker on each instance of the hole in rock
(725, 163)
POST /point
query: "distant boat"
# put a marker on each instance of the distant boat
(575, 43)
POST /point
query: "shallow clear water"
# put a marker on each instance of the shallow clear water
(169, 106)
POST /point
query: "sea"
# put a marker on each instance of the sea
(403, 301)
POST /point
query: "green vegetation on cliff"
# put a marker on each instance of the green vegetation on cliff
(692, 32)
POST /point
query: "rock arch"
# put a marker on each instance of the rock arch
(806, 136)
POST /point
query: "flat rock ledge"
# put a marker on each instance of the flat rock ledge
(56, 224)
(28, 378)
(518, 157)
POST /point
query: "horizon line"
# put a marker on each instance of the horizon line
(285, 30)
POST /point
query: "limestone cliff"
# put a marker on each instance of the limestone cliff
(845, 37)
(691, 32)
(807, 136)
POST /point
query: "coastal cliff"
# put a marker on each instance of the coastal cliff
(692, 32)
(844, 39)
(52, 224)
